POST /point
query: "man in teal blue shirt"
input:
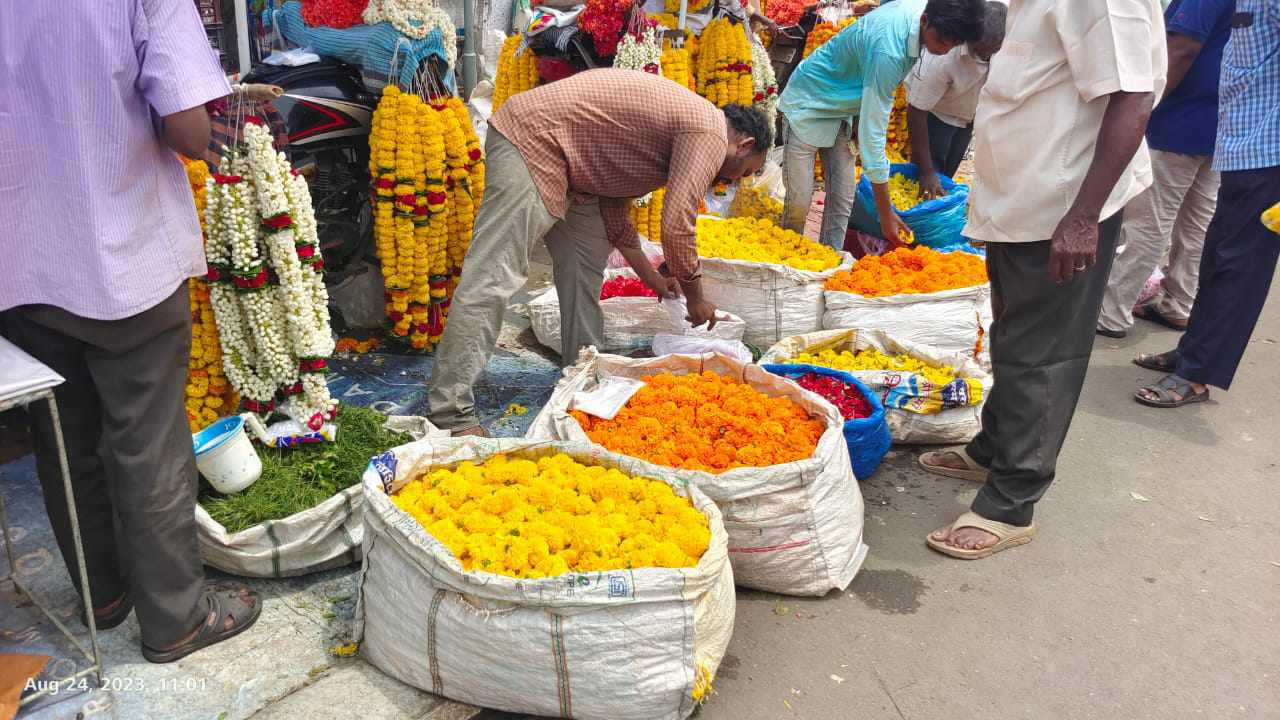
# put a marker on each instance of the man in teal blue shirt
(855, 74)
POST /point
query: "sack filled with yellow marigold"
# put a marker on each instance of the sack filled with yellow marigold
(771, 455)
(458, 607)
(929, 396)
(916, 295)
(769, 277)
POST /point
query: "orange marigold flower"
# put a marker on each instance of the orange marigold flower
(910, 270)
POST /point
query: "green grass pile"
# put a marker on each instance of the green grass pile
(300, 478)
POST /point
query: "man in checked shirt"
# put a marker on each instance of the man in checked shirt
(564, 162)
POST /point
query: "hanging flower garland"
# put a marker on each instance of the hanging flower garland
(517, 71)
(267, 286)
(603, 20)
(694, 6)
(646, 215)
(824, 31)
(640, 52)
(208, 393)
(724, 64)
(428, 181)
(415, 19)
(676, 67)
(764, 84)
(897, 140)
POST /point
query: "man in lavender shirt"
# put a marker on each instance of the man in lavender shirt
(98, 235)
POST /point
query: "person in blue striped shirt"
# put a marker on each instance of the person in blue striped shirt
(851, 79)
(1240, 253)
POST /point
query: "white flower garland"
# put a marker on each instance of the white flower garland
(643, 53)
(274, 332)
(764, 82)
(415, 19)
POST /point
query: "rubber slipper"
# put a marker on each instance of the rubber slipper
(1165, 391)
(473, 431)
(1007, 536)
(112, 619)
(224, 604)
(1113, 334)
(975, 472)
(1149, 313)
(1165, 362)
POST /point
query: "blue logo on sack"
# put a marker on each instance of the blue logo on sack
(618, 587)
(385, 466)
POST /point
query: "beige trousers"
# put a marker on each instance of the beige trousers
(511, 218)
(1172, 215)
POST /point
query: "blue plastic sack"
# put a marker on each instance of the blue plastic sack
(370, 47)
(868, 438)
(937, 223)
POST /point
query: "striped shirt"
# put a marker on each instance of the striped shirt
(617, 135)
(1249, 90)
(96, 215)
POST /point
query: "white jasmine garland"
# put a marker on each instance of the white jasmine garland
(764, 82)
(415, 19)
(640, 53)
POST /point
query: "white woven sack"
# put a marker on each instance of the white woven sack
(795, 528)
(954, 425)
(629, 322)
(953, 321)
(325, 536)
(618, 645)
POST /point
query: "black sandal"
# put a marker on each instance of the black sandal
(1149, 313)
(225, 604)
(1165, 392)
(1165, 362)
(113, 618)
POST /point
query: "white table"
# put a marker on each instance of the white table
(24, 381)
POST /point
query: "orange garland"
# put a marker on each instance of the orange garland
(706, 422)
(910, 270)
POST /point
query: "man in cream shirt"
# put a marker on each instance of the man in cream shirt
(1058, 151)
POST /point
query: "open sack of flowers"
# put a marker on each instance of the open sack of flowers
(929, 396)
(630, 318)
(775, 300)
(889, 293)
(322, 537)
(527, 636)
(865, 430)
(794, 527)
(936, 223)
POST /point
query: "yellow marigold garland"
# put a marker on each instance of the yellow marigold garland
(724, 64)
(208, 395)
(515, 73)
(647, 215)
(762, 241)
(676, 67)
(897, 141)
(543, 518)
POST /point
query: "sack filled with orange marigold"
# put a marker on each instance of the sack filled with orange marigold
(771, 455)
(917, 295)
(441, 611)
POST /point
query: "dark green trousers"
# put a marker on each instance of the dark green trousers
(1041, 338)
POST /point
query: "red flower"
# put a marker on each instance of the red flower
(226, 179)
(474, 154)
(847, 398)
(306, 251)
(278, 222)
(625, 287)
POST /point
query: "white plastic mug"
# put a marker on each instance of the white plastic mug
(225, 456)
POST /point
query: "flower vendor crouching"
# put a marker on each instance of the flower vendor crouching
(95, 251)
(565, 161)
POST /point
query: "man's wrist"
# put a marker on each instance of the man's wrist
(692, 289)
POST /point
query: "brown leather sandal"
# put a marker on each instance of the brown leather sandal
(106, 621)
(225, 605)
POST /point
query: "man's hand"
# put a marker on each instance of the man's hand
(664, 287)
(894, 230)
(760, 20)
(701, 311)
(1074, 246)
(931, 186)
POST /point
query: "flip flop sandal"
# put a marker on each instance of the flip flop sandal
(1007, 536)
(225, 604)
(1113, 334)
(1165, 391)
(975, 472)
(1149, 313)
(1165, 362)
(112, 619)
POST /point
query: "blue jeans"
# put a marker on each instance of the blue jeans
(798, 160)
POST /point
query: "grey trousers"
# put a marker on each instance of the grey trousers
(1041, 339)
(130, 455)
(798, 161)
(511, 218)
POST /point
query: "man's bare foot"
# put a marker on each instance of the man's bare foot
(965, 538)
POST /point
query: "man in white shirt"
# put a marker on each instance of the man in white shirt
(942, 98)
(1058, 152)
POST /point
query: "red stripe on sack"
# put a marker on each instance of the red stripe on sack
(770, 548)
